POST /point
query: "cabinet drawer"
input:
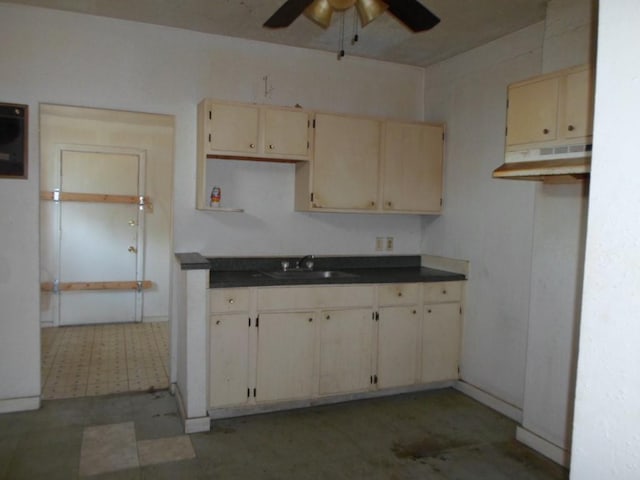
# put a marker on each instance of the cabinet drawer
(335, 296)
(442, 292)
(398, 294)
(223, 300)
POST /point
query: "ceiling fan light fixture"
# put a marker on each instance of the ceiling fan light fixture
(319, 12)
(341, 5)
(369, 10)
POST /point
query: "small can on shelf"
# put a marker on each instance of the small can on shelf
(216, 197)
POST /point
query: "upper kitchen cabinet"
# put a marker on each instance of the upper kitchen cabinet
(254, 131)
(344, 172)
(371, 165)
(343, 163)
(236, 131)
(552, 109)
(412, 167)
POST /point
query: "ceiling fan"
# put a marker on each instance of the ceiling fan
(410, 12)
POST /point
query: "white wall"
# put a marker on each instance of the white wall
(606, 443)
(488, 222)
(64, 58)
(558, 252)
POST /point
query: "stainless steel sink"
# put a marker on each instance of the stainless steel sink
(308, 274)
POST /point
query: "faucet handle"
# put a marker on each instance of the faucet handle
(285, 265)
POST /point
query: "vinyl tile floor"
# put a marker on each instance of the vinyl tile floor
(436, 435)
(91, 360)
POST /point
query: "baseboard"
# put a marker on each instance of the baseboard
(227, 412)
(191, 425)
(545, 447)
(495, 403)
(9, 405)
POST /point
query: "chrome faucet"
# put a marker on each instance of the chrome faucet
(305, 262)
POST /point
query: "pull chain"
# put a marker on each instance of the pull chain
(355, 38)
(341, 52)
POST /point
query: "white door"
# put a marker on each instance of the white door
(101, 235)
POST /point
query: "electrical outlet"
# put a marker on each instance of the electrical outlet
(379, 244)
(389, 246)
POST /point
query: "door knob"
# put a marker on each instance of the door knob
(132, 249)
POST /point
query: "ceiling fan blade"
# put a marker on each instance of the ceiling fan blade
(413, 14)
(287, 13)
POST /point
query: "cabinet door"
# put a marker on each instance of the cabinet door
(286, 355)
(397, 346)
(345, 351)
(286, 133)
(579, 99)
(412, 167)
(228, 359)
(532, 112)
(440, 342)
(233, 128)
(345, 163)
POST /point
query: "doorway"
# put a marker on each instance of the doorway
(105, 248)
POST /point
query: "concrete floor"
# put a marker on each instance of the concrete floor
(433, 435)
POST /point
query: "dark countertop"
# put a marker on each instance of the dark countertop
(365, 275)
(193, 261)
(246, 271)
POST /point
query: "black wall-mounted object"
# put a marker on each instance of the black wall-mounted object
(14, 122)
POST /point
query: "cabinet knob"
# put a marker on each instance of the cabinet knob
(444, 292)
(545, 131)
(270, 147)
(310, 319)
(388, 204)
(252, 145)
(217, 322)
(429, 311)
(231, 301)
(571, 128)
(328, 317)
(399, 294)
(373, 204)
(414, 312)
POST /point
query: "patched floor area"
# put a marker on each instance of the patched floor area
(437, 435)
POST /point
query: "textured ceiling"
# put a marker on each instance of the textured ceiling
(464, 24)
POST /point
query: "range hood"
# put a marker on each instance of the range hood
(555, 164)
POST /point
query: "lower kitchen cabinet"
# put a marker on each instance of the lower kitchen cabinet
(285, 357)
(346, 338)
(228, 359)
(271, 345)
(398, 329)
(440, 341)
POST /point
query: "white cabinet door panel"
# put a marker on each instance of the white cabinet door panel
(286, 355)
(345, 350)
